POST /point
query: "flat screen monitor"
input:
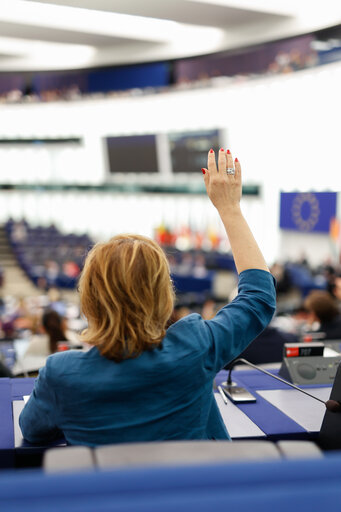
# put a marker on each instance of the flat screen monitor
(189, 149)
(134, 153)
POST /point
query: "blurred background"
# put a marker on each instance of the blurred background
(108, 110)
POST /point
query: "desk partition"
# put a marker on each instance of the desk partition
(263, 418)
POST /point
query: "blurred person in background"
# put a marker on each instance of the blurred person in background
(179, 311)
(323, 314)
(19, 231)
(54, 328)
(335, 288)
(4, 371)
(56, 301)
(282, 276)
(139, 381)
(209, 309)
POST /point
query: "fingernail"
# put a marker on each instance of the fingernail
(228, 152)
(236, 160)
(203, 171)
(221, 149)
(211, 151)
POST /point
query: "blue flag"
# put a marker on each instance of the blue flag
(308, 212)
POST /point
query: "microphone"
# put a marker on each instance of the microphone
(331, 405)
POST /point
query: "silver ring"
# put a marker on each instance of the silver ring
(230, 170)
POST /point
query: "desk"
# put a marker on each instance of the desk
(275, 423)
(11, 392)
(11, 389)
(272, 422)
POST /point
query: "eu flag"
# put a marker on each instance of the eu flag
(308, 212)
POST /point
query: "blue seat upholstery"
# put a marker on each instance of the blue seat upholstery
(281, 485)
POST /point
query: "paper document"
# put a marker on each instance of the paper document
(237, 423)
(17, 406)
(301, 408)
(25, 398)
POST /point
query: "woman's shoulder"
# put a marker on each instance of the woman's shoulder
(71, 360)
(186, 322)
(187, 331)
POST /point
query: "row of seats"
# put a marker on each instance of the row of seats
(212, 260)
(173, 453)
(46, 254)
(283, 485)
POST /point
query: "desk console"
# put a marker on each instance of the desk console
(310, 369)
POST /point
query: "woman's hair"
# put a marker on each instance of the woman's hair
(322, 304)
(127, 296)
(53, 325)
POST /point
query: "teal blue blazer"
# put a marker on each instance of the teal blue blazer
(166, 393)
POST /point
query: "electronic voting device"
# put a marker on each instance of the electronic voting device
(309, 363)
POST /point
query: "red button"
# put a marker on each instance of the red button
(292, 352)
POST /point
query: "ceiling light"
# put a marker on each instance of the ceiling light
(89, 21)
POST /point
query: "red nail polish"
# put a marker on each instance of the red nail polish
(228, 152)
(211, 151)
(236, 160)
(203, 171)
(221, 149)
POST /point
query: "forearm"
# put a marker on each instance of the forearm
(37, 419)
(37, 433)
(225, 189)
(245, 250)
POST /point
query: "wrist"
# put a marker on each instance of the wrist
(230, 210)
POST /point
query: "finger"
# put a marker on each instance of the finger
(238, 170)
(222, 162)
(206, 176)
(211, 163)
(229, 160)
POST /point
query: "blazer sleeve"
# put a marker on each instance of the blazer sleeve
(241, 321)
(37, 419)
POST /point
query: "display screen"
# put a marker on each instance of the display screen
(132, 154)
(189, 149)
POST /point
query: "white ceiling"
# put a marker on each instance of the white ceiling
(69, 34)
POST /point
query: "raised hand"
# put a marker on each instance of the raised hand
(224, 188)
(223, 182)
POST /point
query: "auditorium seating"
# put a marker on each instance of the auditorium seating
(46, 253)
(275, 484)
(303, 279)
(170, 453)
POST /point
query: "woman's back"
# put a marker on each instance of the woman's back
(165, 393)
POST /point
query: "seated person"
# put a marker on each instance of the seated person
(5, 371)
(335, 289)
(284, 283)
(55, 329)
(40, 346)
(323, 314)
(139, 381)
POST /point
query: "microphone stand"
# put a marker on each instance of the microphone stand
(331, 405)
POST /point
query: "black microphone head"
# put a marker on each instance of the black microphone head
(333, 406)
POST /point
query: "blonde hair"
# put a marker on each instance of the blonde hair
(127, 296)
